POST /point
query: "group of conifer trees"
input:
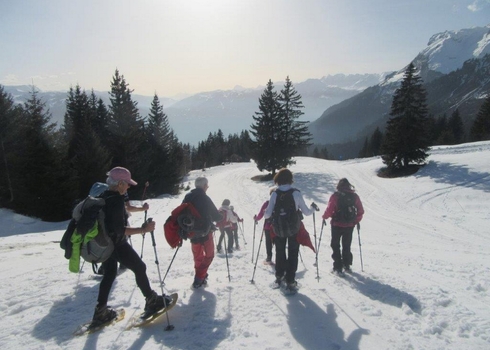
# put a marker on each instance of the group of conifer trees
(44, 170)
(411, 130)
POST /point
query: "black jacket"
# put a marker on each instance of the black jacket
(205, 206)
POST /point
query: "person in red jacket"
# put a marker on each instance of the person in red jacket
(267, 229)
(346, 210)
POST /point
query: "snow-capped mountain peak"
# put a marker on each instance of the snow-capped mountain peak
(447, 51)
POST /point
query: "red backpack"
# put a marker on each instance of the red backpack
(180, 224)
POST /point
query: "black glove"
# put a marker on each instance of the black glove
(314, 206)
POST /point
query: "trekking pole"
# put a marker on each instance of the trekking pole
(258, 251)
(317, 250)
(253, 244)
(314, 231)
(226, 256)
(301, 258)
(146, 212)
(169, 326)
(360, 250)
(171, 262)
(243, 234)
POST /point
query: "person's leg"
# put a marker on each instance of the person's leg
(346, 244)
(208, 252)
(229, 233)
(127, 256)
(281, 262)
(268, 244)
(292, 261)
(335, 244)
(221, 237)
(235, 237)
(110, 273)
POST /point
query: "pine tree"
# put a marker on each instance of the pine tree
(406, 138)
(267, 146)
(455, 124)
(480, 130)
(295, 133)
(278, 134)
(9, 121)
(165, 174)
(375, 143)
(127, 138)
(38, 185)
(87, 158)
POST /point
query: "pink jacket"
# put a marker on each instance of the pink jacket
(260, 215)
(332, 209)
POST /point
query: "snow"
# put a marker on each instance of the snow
(425, 284)
(447, 51)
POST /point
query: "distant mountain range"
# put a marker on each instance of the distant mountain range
(455, 68)
(194, 117)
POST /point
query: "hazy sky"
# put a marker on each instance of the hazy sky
(188, 46)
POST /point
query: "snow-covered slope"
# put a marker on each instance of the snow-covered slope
(425, 284)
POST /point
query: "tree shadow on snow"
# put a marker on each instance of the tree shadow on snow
(196, 326)
(315, 328)
(315, 186)
(456, 175)
(382, 292)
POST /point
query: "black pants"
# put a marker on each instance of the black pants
(286, 266)
(235, 235)
(124, 254)
(343, 258)
(229, 233)
(268, 243)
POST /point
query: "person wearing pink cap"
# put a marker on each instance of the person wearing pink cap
(119, 180)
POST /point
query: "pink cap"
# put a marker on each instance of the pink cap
(121, 174)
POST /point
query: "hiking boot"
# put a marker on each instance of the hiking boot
(347, 268)
(230, 251)
(237, 247)
(205, 280)
(157, 302)
(338, 272)
(277, 283)
(292, 286)
(198, 283)
(103, 314)
(218, 249)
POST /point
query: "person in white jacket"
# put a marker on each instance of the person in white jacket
(225, 226)
(286, 266)
(235, 219)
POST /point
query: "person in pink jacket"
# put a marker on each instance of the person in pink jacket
(267, 230)
(346, 210)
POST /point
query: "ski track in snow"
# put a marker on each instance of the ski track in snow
(425, 284)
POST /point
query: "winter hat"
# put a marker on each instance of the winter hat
(226, 202)
(121, 174)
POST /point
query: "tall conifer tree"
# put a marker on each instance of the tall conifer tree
(406, 140)
(267, 147)
(480, 130)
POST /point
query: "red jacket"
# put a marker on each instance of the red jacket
(332, 209)
(260, 215)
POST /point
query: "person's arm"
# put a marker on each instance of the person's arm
(300, 204)
(146, 227)
(261, 213)
(131, 208)
(331, 207)
(360, 209)
(214, 213)
(270, 206)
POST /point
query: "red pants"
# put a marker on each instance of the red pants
(203, 256)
